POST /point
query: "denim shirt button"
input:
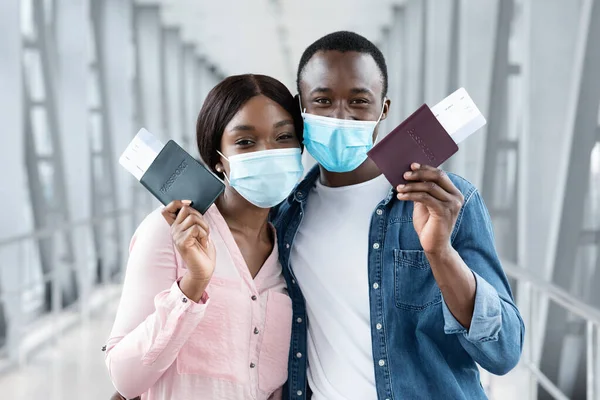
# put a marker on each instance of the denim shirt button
(299, 320)
(378, 326)
(375, 246)
(299, 392)
(379, 211)
(376, 285)
(287, 245)
(381, 363)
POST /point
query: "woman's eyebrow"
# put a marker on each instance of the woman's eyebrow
(283, 123)
(243, 128)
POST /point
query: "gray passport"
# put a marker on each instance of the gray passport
(176, 175)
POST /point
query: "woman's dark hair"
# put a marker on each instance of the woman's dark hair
(227, 98)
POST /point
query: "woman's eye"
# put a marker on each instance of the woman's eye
(244, 142)
(322, 101)
(285, 136)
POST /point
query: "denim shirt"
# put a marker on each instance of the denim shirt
(420, 351)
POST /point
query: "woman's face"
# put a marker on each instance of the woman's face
(261, 124)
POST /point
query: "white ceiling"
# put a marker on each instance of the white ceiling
(269, 36)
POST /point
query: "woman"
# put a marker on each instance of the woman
(204, 312)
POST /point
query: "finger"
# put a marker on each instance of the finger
(183, 213)
(191, 220)
(424, 198)
(426, 173)
(429, 187)
(170, 211)
(185, 239)
(192, 211)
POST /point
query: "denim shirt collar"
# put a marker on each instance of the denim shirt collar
(300, 193)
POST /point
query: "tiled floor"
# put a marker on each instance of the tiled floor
(72, 369)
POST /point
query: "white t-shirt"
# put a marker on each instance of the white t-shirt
(330, 262)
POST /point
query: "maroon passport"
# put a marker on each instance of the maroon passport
(419, 139)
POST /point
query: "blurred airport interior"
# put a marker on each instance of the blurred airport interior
(78, 78)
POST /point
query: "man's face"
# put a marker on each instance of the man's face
(343, 85)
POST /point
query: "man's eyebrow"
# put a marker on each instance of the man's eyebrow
(360, 91)
(283, 123)
(243, 128)
(320, 90)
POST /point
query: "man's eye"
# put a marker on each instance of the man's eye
(359, 101)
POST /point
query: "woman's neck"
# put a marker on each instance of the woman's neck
(242, 216)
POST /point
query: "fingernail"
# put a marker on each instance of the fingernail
(400, 186)
(186, 202)
(407, 174)
(416, 165)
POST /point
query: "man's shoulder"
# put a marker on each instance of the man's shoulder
(466, 188)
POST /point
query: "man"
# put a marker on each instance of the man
(398, 292)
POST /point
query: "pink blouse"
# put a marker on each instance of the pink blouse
(165, 346)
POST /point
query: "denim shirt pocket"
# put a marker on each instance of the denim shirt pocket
(415, 287)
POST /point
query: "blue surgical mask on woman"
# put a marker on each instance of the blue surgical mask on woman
(339, 145)
(265, 178)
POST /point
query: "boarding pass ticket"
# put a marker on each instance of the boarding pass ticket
(140, 153)
(459, 115)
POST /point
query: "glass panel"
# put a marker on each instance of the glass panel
(98, 175)
(94, 92)
(594, 191)
(33, 73)
(585, 265)
(49, 11)
(27, 23)
(95, 132)
(91, 43)
(505, 179)
(33, 292)
(47, 181)
(41, 133)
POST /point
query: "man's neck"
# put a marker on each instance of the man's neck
(365, 172)
(243, 217)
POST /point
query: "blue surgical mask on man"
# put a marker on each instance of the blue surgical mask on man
(265, 178)
(339, 145)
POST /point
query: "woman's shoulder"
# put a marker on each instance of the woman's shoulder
(153, 229)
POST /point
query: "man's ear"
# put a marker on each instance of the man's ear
(386, 108)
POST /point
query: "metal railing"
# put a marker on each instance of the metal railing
(536, 291)
(26, 322)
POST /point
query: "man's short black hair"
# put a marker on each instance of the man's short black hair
(345, 41)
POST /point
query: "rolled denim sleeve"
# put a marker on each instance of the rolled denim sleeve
(487, 315)
(495, 337)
